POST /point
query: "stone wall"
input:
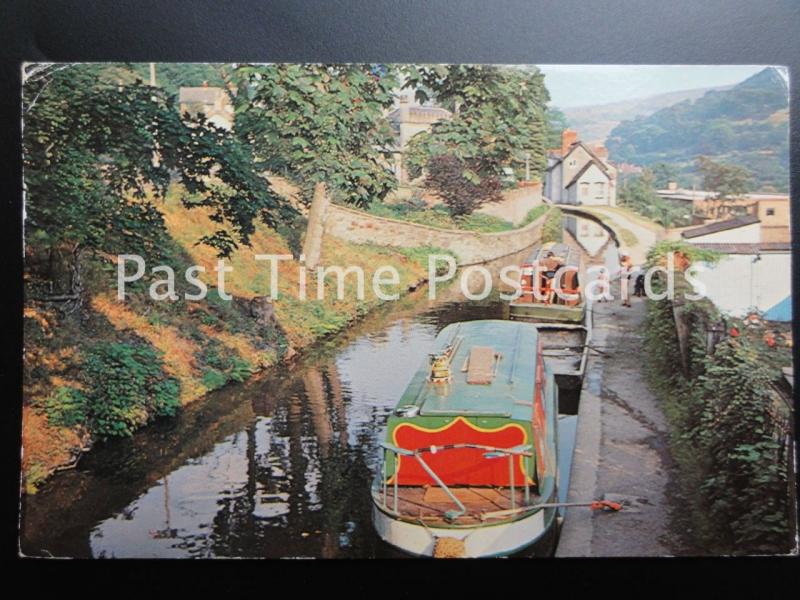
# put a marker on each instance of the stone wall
(516, 203)
(470, 247)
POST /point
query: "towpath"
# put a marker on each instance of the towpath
(635, 234)
(622, 451)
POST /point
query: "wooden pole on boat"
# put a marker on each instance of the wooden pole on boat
(594, 505)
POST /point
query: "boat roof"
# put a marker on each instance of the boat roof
(570, 255)
(511, 379)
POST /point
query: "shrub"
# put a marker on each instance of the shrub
(213, 379)
(461, 188)
(241, 370)
(224, 366)
(125, 386)
(726, 426)
(66, 407)
(552, 230)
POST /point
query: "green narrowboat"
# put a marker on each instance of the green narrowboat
(468, 466)
(550, 290)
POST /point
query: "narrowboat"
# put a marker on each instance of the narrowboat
(540, 279)
(469, 465)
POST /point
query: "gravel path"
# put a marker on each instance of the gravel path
(622, 452)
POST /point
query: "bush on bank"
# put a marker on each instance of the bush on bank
(728, 422)
(552, 231)
(124, 387)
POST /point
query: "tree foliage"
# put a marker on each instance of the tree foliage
(727, 181)
(499, 118)
(639, 194)
(728, 429)
(556, 124)
(461, 193)
(96, 152)
(124, 386)
(664, 174)
(320, 123)
(746, 125)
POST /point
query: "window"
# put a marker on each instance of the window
(770, 212)
(599, 189)
(584, 190)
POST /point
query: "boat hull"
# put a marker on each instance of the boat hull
(548, 313)
(525, 534)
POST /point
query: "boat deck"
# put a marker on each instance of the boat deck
(430, 503)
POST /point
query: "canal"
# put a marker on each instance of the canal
(278, 467)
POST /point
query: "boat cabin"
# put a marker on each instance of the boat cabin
(550, 285)
(473, 435)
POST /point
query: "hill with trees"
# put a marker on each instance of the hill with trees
(746, 125)
(595, 122)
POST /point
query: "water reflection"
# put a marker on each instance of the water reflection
(278, 467)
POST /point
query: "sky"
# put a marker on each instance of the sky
(584, 85)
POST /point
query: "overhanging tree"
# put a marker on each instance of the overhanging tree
(498, 121)
(97, 151)
(320, 123)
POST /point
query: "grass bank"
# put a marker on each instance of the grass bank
(101, 368)
(438, 216)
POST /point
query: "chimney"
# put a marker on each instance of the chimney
(568, 137)
(405, 106)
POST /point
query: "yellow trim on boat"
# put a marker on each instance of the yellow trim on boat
(451, 424)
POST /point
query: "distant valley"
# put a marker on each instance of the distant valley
(745, 125)
(594, 123)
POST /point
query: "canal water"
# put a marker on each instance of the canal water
(278, 467)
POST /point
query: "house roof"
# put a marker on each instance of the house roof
(203, 95)
(556, 154)
(684, 194)
(589, 151)
(720, 226)
(585, 168)
(745, 248)
(555, 164)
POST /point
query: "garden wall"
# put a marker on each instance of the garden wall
(470, 247)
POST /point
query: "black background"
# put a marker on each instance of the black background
(565, 31)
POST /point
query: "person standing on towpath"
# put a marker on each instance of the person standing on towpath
(626, 270)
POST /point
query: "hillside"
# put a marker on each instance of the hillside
(745, 125)
(595, 122)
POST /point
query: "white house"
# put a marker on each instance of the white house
(751, 275)
(580, 174)
(592, 236)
